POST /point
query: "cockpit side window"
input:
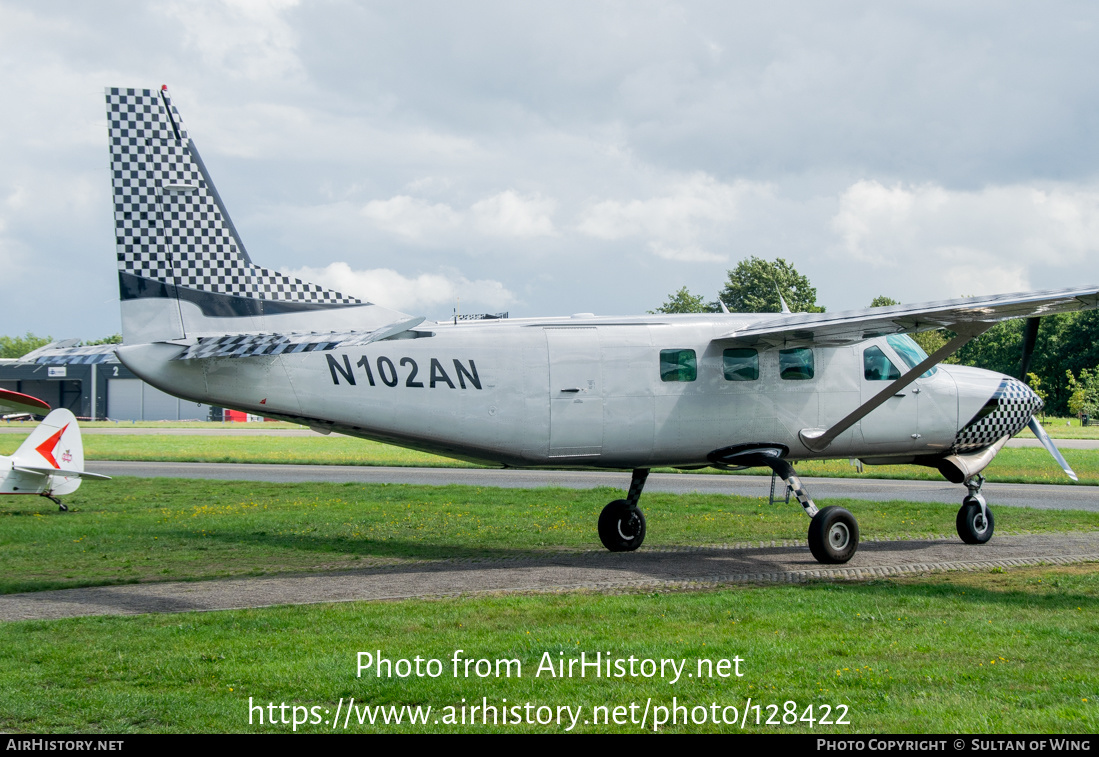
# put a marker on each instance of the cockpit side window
(877, 367)
(910, 352)
(678, 365)
(796, 364)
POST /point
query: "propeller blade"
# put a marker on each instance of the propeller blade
(1030, 337)
(1043, 437)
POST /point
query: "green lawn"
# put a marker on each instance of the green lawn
(131, 529)
(1009, 652)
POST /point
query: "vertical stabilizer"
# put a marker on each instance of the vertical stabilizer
(183, 271)
(55, 444)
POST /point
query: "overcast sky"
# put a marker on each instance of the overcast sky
(551, 158)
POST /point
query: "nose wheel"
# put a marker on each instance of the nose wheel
(975, 522)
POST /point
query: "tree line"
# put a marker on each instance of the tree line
(1064, 369)
(18, 346)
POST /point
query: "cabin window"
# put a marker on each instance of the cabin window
(740, 364)
(678, 365)
(877, 367)
(796, 364)
(910, 351)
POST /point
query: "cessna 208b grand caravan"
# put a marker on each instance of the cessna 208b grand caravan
(201, 321)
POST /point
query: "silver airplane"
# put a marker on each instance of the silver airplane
(201, 321)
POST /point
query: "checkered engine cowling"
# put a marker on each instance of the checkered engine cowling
(1006, 413)
(170, 224)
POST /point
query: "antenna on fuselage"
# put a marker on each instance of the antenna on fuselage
(781, 301)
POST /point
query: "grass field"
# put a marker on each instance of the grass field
(1010, 652)
(131, 529)
(1015, 465)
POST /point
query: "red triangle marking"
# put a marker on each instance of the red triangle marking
(45, 449)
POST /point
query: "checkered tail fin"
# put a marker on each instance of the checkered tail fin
(183, 270)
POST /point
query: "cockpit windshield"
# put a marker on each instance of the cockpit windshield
(910, 352)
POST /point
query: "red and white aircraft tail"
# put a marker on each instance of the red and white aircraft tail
(50, 462)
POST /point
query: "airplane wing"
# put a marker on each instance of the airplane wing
(12, 403)
(966, 315)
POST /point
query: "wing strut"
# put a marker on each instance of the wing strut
(818, 439)
(1043, 437)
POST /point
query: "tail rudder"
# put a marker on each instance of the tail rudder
(55, 443)
(183, 270)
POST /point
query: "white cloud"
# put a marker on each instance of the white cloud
(696, 210)
(245, 38)
(384, 286)
(1014, 227)
(511, 215)
(983, 273)
(13, 256)
(506, 214)
(687, 254)
(411, 218)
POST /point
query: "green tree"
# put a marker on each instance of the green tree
(112, 339)
(1083, 392)
(754, 286)
(685, 302)
(18, 346)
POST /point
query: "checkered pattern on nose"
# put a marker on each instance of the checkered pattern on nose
(168, 222)
(1005, 414)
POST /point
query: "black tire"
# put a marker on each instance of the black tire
(833, 535)
(621, 527)
(972, 527)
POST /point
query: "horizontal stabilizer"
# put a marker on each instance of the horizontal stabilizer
(61, 472)
(961, 315)
(250, 345)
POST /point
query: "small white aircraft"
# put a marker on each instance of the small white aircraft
(50, 462)
(201, 321)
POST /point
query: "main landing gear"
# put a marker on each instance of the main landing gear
(622, 524)
(833, 531)
(975, 522)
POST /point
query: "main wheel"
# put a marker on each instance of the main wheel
(973, 527)
(833, 535)
(621, 527)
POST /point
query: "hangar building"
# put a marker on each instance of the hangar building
(91, 383)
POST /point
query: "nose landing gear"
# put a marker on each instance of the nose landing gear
(975, 522)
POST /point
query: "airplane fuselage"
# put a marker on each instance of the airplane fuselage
(584, 391)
